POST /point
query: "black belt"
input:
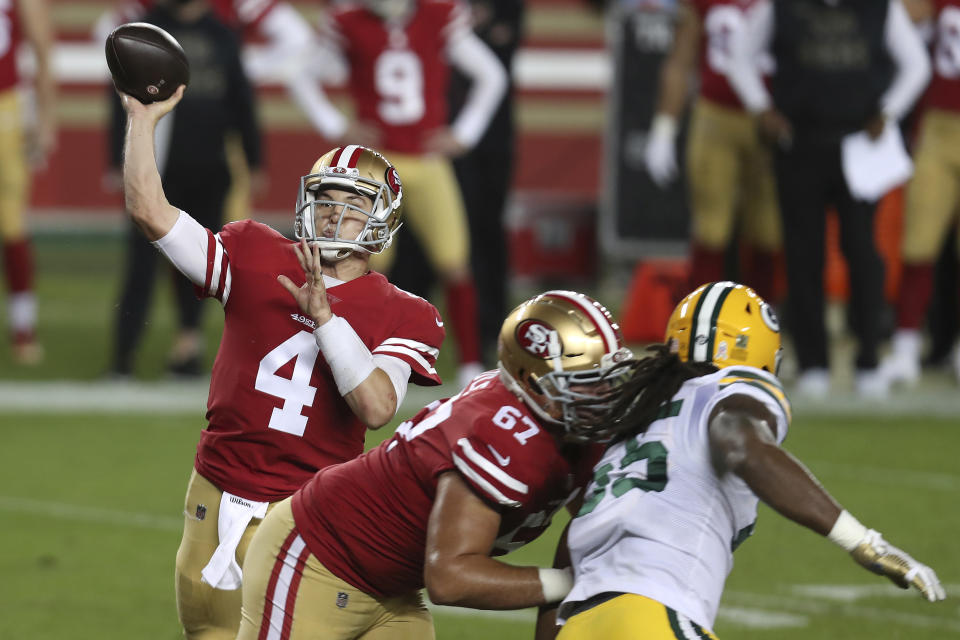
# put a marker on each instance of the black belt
(592, 601)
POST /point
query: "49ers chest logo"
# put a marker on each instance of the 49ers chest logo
(539, 339)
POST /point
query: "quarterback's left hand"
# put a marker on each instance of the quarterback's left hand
(312, 295)
(881, 557)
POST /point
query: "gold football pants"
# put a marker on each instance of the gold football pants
(934, 191)
(433, 210)
(730, 172)
(205, 613)
(289, 595)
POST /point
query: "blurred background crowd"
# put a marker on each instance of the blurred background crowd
(631, 149)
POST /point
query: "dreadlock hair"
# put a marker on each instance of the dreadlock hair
(653, 382)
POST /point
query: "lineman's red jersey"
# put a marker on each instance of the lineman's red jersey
(366, 520)
(9, 41)
(721, 21)
(275, 415)
(944, 89)
(242, 14)
(399, 74)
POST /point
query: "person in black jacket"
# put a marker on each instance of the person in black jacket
(844, 67)
(193, 163)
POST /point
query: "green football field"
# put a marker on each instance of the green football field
(93, 475)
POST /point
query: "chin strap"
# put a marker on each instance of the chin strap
(335, 255)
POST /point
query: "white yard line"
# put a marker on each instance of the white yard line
(166, 397)
(92, 515)
(800, 605)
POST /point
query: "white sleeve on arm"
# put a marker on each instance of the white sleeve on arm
(399, 372)
(488, 84)
(744, 73)
(185, 246)
(910, 57)
(326, 64)
(288, 47)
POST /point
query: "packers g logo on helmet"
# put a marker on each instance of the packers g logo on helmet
(557, 352)
(727, 324)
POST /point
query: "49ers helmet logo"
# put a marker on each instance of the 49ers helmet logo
(539, 338)
(393, 180)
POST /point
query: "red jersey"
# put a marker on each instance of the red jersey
(239, 14)
(399, 73)
(366, 520)
(9, 41)
(275, 415)
(721, 21)
(944, 89)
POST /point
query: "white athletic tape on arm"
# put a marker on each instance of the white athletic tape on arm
(398, 371)
(349, 359)
(556, 583)
(847, 531)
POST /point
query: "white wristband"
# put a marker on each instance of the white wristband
(847, 531)
(663, 125)
(350, 360)
(556, 583)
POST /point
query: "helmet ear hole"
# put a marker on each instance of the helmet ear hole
(534, 385)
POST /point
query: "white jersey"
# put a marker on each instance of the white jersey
(657, 521)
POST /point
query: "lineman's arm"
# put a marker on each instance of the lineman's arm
(142, 186)
(38, 28)
(458, 569)
(742, 441)
(547, 628)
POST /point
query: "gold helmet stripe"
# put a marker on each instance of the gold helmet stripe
(705, 320)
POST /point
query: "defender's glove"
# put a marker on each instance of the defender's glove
(660, 155)
(881, 557)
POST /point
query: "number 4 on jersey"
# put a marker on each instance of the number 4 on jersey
(295, 391)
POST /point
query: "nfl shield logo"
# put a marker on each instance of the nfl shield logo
(201, 512)
(342, 599)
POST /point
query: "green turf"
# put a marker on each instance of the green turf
(90, 504)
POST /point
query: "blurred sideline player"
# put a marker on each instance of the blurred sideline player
(309, 358)
(20, 19)
(472, 477)
(933, 194)
(651, 550)
(395, 57)
(729, 169)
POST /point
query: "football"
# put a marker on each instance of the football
(146, 61)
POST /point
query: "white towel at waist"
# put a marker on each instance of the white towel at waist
(223, 572)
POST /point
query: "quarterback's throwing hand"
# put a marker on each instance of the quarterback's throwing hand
(312, 295)
(153, 111)
(881, 557)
